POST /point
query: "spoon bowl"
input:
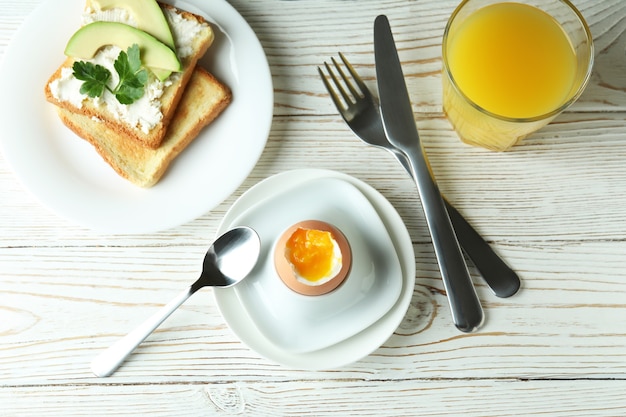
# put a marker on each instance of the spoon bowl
(229, 260)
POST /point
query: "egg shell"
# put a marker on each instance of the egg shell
(286, 272)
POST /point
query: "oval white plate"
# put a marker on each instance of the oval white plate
(349, 349)
(64, 172)
(299, 323)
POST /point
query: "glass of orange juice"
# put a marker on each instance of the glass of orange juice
(509, 68)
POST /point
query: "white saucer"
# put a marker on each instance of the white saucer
(250, 318)
(300, 323)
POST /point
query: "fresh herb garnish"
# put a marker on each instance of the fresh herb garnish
(132, 77)
(130, 86)
(94, 77)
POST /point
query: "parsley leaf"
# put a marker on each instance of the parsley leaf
(94, 77)
(134, 58)
(132, 77)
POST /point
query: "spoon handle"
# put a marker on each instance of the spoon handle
(108, 361)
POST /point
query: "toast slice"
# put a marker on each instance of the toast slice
(203, 100)
(145, 125)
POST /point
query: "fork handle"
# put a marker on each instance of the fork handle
(465, 307)
(503, 281)
(501, 278)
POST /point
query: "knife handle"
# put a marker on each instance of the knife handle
(467, 313)
(503, 281)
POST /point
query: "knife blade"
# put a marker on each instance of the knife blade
(401, 130)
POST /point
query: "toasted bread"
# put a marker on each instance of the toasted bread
(173, 88)
(203, 100)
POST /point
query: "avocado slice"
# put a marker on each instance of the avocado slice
(154, 54)
(147, 14)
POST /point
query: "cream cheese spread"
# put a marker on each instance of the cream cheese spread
(110, 15)
(184, 32)
(145, 113)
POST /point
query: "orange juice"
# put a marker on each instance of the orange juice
(513, 60)
(510, 67)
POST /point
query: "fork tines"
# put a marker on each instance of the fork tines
(349, 98)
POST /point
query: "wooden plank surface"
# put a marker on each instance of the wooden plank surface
(554, 207)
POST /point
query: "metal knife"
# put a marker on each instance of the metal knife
(400, 128)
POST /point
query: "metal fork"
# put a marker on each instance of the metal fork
(360, 111)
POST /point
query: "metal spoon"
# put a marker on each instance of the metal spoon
(228, 261)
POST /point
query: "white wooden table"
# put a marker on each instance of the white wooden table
(554, 208)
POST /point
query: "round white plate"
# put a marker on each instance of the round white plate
(66, 174)
(349, 349)
(300, 323)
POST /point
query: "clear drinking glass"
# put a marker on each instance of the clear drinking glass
(473, 80)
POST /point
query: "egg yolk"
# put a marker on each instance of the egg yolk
(311, 253)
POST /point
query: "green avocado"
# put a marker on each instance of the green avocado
(154, 54)
(146, 13)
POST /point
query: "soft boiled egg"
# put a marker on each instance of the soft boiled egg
(312, 257)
